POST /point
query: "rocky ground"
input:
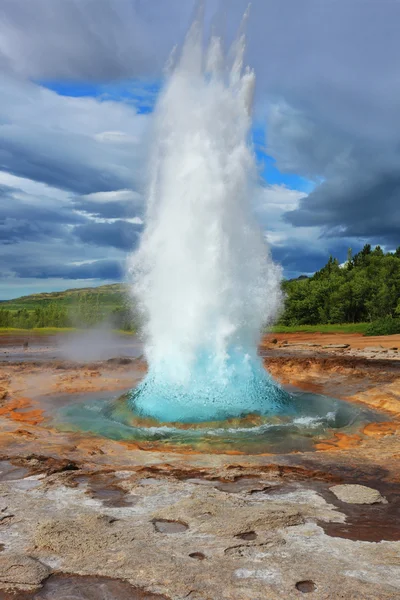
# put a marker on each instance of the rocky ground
(89, 518)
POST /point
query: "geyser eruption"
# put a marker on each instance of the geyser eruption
(203, 274)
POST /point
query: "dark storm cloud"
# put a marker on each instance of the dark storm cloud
(60, 161)
(100, 269)
(366, 204)
(20, 219)
(297, 259)
(331, 74)
(119, 234)
(90, 39)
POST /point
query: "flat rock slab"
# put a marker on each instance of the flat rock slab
(357, 494)
(22, 569)
(338, 346)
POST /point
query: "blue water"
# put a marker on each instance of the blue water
(207, 394)
(314, 419)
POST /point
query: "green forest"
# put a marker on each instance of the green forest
(365, 290)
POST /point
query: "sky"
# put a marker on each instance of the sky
(78, 83)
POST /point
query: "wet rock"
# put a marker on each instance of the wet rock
(48, 464)
(70, 587)
(357, 494)
(21, 569)
(166, 526)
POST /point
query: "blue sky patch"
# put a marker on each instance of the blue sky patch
(140, 93)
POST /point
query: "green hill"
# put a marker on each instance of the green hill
(109, 295)
(80, 307)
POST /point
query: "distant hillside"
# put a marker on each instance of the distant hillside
(107, 295)
(81, 307)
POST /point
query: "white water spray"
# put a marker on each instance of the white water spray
(203, 275)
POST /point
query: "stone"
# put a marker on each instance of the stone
(337, 346)
(357, 494)
(373, 348)
(214, 514)
(20, 569)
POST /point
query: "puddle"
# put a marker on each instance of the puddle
(104, 487)
(166, 526)
(364, 522)
(367, 522)
(69, 587)
(197, 555)
(314, 418)
(247, 536)
(8, 472)
(306, 587)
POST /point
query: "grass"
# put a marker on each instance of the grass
(36, 330)
(50, 331)
(330, 328)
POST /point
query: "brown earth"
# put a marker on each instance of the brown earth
(356, 341)
(130, 518)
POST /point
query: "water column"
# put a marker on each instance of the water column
(203, 276)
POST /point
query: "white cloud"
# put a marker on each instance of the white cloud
(114, 196)
(55, 139)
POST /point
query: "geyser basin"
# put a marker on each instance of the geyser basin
(311, 419)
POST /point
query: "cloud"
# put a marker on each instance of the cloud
(120, 234)
(97, 40)
(328, 84)
(26, 217)
(99, 269)
(60, 140)
(364, 205)
(122, 204)
(327, 88)
(38, 239)
(66, 190)
(300, 250)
